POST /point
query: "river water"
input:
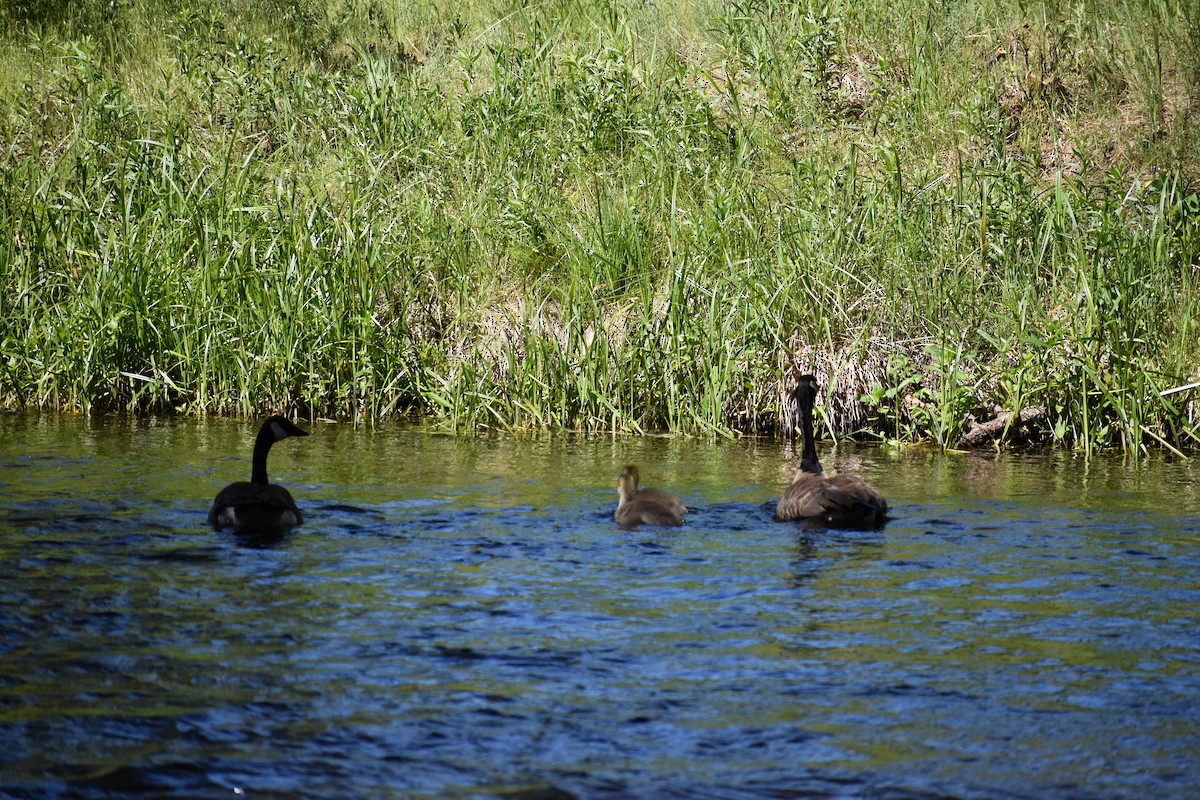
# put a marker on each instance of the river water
(460, 617)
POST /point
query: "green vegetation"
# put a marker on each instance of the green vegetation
(607, 214)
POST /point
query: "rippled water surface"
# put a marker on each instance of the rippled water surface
(462, 618)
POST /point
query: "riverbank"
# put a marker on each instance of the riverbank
(607, 216)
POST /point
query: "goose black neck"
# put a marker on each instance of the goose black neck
(262, 446)
(808, 455)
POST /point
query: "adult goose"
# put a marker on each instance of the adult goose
(839, 500)
(259, 506)
(648, 506)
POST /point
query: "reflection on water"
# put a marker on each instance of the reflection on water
(463, 618)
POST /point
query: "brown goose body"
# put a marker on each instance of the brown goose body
(837, 500)
(258, 506)
(645, 506)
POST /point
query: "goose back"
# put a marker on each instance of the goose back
(838, 500)
(246, 506)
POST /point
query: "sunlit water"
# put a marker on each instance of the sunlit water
(462, 618)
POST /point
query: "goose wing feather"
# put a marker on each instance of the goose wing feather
(666, 500)
(863, 492)
(803, 499)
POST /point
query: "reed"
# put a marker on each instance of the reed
(606, 216)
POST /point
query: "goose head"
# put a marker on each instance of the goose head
(279, 428)
(627, 485)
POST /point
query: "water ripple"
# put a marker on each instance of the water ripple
(454, 636)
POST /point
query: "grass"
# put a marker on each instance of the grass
(606, 215)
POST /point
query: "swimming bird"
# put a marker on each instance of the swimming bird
(259, 506)
(649, 506)
(839, 500)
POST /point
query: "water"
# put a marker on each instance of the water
(462, 618)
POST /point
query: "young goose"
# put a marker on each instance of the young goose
(259, 506)
(840, 500)
(649, 506)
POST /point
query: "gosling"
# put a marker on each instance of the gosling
(645, 506)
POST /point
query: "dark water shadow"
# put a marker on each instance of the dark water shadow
(259, 540)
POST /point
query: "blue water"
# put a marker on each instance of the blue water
(462, 618)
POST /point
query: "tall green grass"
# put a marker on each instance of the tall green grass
(607, 215)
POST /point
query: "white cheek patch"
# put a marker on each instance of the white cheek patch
(278, 431)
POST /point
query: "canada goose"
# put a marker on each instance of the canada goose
(649, 506)
(840, 500)
(259, 506)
